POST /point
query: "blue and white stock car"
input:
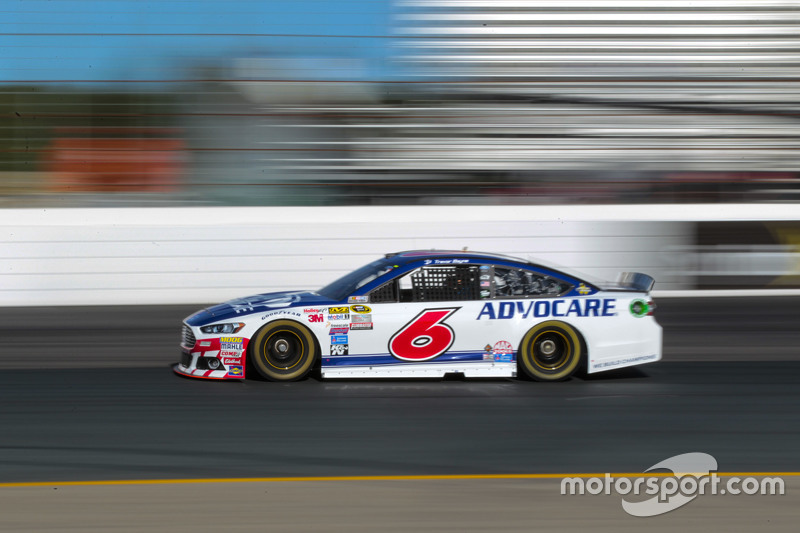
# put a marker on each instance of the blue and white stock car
(427, 314)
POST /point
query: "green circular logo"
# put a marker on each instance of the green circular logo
(639, 308)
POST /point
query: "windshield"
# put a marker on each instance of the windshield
(345, 285)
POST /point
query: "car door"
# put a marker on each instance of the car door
(425, 320)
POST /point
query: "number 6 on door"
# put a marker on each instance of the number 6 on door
(425, 337)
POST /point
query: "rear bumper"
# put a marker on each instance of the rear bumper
(645, 345)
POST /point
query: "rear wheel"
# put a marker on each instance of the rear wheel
(550, 351)
(283, 351)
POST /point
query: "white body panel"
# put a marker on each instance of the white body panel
(615, 339)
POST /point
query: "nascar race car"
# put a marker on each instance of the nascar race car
(428, 314)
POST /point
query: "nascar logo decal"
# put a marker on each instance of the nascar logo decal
(425, 337)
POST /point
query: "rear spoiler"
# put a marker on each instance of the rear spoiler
(633, 281)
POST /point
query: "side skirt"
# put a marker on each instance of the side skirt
(422, 370)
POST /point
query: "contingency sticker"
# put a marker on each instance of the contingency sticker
(231, 343)
(340, 349)
(503, 352)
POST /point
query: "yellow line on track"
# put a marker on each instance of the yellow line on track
(369, 478)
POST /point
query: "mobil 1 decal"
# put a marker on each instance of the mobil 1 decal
(425, 337)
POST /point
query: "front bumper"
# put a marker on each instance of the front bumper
(219, 358)
(189, 367)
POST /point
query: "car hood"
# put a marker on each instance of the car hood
(258, 303)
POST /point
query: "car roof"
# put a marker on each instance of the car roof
(409, 256)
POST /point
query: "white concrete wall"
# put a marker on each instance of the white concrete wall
(202, 255)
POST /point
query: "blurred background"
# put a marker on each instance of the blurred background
(358, 102)
(201, 103)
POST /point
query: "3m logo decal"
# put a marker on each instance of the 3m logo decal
(424, 338)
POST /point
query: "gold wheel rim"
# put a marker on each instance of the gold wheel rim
(265, 355)
(561, 361)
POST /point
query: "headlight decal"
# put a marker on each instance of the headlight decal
(229, 327)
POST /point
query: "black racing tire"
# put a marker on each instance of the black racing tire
(283, 350)
(550, 351)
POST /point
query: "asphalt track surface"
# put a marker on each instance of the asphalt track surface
(88, 394)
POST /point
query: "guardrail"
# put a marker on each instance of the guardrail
(54, 257)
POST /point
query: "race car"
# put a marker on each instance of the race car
(427, 314)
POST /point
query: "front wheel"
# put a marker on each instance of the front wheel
(283, 351)
(550, 351)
